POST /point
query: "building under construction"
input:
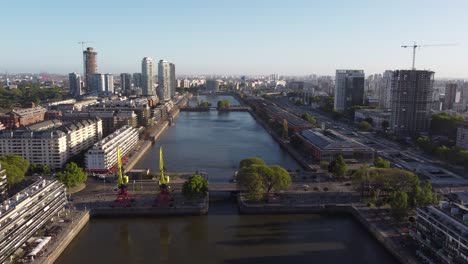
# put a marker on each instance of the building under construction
(89, 63)
(411, 101)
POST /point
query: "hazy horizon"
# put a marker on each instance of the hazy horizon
(293, 38)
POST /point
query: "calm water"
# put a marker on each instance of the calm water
(225, 237)
(215, 143)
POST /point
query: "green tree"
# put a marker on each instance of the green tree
(309, 118)
(195, 187)
(338, 167)
(224, 103)
(205, 105)
(445, 124)
(46, 169)
(271, 177)
(426, 195)
(365, 126)
(399, 204)
(324, 165)
(381, 163)
(251, 161)
(72, 176)
(16, 167)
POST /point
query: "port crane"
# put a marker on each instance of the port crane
(123, 197)
(414, 46)
(164, 196)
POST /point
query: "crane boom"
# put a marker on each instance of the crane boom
(163, 179)
(414, 46)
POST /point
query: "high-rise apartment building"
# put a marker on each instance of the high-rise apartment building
(75, 84)
(147, 76)
(109, 84)
(385, 91)
(212, 85)
(126, 83)
(411, 101)
(89, 64)
(164, 80)
(172, 78)
(349, 89)
(96, 83)
(450, 95)
(137, 80)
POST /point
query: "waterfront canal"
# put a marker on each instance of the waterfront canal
(223, 236)
(215, 142)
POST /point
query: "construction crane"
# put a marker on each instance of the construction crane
(414, 46)
(83, 44)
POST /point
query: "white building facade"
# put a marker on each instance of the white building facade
(102, 157)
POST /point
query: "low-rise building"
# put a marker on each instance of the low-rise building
(23, 117)
(378, 117)
(442, 232)
(111, 119)
(25, 213)
(462, 135)
(102, 157)
(325, 145)
(52, 147)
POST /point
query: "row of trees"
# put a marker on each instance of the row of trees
(399, 188)
(224, 103)
(445, 124)
(258, 178)
(26, 93)
(453, 155)
(309, 118)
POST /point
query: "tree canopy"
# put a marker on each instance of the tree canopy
(381, 163)
(399, 204)
(195, 187)
(251, 161)
(309, 118)
(445, 124)
(72, 176)
(258, 178)
(338, 167)
(224, 103)
(16, 167)
(365, 126)
(205, 104)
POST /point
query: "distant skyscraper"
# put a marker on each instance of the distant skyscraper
(96, 83)
(172, 77)
(137, 80)
(89, 63)
(75, 84)
(126, 83)
(349, 89)
(147, 76)
(212, 85)
(450, 95)
(164, 80)
(109, 84)
(385, 90)
(411, 101)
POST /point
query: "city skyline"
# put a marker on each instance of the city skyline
(242, 38)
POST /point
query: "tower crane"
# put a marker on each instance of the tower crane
(414, 46)
(83, 43)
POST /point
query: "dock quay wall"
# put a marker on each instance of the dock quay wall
(328, 209)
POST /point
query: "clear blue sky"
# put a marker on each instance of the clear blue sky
(292, 37)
